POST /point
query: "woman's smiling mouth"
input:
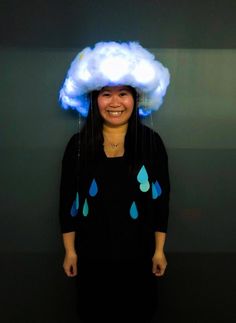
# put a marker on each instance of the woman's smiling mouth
(114, 113)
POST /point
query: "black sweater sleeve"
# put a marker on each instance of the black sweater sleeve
(68, 186)
(160, 176)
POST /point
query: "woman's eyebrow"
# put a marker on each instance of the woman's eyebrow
(126, 88)
(105, 88)
(109, 89)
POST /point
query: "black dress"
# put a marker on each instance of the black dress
(115, 211)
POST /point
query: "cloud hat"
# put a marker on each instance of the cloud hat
(110, 64)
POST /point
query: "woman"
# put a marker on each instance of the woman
(115, 184)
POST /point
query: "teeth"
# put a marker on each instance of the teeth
(115, 113)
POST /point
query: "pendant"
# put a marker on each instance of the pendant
(114, 146)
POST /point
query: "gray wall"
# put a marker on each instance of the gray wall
(161, 23)
(197, 122)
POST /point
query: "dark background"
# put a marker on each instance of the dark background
(196, 41)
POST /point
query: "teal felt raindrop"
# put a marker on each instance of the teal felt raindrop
(134, 211)
(85, 208)
(144, 187)
(93, 188)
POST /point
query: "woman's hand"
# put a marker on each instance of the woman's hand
(159, 263)
(70, 264)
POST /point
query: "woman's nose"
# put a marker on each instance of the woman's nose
(115, 101)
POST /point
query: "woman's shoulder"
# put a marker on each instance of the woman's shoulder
(150, 135)
(151, 144)
(73, 139)
(71, 145)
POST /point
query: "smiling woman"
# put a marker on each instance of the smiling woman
(115, 105)
(115, 185)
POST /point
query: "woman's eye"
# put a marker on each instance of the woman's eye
(105, 94)
(123, 93)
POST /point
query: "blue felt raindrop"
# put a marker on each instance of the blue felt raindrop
(73, 210)
(77, 201)
(133, 211)
(154, 192)
(158, 188)
(93, 188)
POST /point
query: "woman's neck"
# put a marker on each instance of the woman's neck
(114, 138)
(119, 130)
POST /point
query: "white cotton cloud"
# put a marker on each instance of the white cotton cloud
(113, 63)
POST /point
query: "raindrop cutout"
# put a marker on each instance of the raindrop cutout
(75, 206)
(158, 188)
(144, 187)
(154, 192)
(85, 208)
(142, 176)
(134, 211)
(93, 188)
(73, 210)
(77, 201)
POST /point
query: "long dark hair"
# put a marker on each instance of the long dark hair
(91, 135)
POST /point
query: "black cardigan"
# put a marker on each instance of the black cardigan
(151, 153)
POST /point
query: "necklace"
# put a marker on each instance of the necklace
(111, 144)
(117, 139)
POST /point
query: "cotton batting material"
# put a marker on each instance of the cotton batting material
(111, 64)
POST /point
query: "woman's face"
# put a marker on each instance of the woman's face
(115, 104)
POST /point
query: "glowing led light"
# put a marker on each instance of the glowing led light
(144, 72)
(83, 73)
(67, 102)
(114, 68)
(144, 112)
(70, 86)
(158, 90)
(83, 110)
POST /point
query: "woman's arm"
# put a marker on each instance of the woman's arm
(70, 260)
(160, 204)
(159, 262)
(67, 196)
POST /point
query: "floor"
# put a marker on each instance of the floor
(197, 288)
